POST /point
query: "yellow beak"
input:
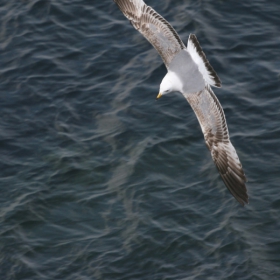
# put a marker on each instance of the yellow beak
(159, 96)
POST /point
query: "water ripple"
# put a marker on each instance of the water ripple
(99, 181)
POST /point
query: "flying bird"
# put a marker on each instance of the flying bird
(189, 72)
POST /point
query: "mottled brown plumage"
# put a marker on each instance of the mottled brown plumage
(210, 115)
(154, 28)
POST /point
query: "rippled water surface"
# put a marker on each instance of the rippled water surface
(99, 181)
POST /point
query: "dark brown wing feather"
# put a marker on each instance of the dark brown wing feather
(154, 27)
(214, 127)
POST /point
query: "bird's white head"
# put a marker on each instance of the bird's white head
(166, 86)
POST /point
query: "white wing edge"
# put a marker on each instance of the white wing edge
(203, 64)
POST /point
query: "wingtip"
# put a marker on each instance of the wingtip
(244, 202)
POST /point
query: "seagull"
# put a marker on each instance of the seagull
(189, 72)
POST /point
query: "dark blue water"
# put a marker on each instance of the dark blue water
(99, 181)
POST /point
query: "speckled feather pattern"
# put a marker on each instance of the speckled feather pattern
(153, 27)
(212, 120)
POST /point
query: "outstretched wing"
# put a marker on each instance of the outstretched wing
(154, 27)
(212, 120)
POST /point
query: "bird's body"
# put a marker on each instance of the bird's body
(185, 69)
(190, 73)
